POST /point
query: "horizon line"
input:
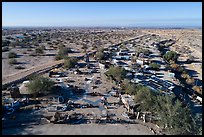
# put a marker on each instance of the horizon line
(120, 26)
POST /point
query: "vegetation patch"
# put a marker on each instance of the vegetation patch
(12, 55)
(39, 85)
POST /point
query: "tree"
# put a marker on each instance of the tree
(12, 55)
(129, 88)
(172, 116)
(154, 66)
(117, 73)
(145, 97)
(171, 55)
(70, 62)
(62, 53)
(175, 119)
(40, 84)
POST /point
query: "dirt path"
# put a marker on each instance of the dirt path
(82, 129)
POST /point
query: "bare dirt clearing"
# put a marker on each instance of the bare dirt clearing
(93, 129)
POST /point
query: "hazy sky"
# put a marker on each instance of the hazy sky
(179, 14)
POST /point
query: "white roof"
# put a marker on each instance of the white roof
(25, 82)
(199, 98)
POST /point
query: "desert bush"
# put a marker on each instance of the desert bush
(62, 53)
(154, 66)
(100, 55)
(33, 54)
(12, 55)
(116, 72)
(39, 50)
(19, 67)
(13, 44)
(40, 84)
(12, 61)
(70, 62)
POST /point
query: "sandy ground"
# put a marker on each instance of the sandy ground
(189, 41)
(29, 61)
(91, 129)
(24, 60)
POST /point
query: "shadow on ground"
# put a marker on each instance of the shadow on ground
(19, 122)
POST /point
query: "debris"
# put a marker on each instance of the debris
(60, 99)
(10, 111)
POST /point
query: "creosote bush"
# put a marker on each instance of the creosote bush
(39, 85)
(12, 55)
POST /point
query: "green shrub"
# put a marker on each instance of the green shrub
(155, 66)
(171, 55)
(40, 84)
(62, 53)
(130, 88)
(117, 73)
(171, 115)
(70, 62)
(58, 57)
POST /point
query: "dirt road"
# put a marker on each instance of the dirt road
(26, 72)
(82, 129)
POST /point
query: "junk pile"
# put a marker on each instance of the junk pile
(14, 91)
(95, 94)
(60, 118)
(10, 105)
(77, 90)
